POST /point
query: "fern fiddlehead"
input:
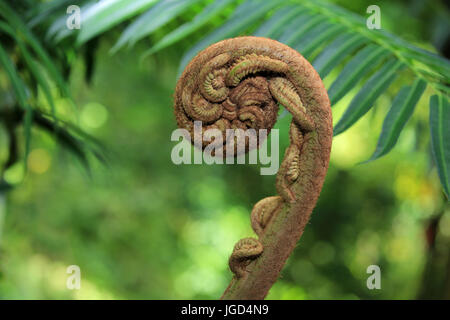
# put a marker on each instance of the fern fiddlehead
(238, 84)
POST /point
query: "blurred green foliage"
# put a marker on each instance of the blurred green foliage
(141, 227)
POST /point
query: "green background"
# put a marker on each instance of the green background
(143, 228)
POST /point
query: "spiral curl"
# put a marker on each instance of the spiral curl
(237, 89)
(244, 252)
(238, 84)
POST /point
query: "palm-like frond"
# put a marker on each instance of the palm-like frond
(24, 47)
(324, 33)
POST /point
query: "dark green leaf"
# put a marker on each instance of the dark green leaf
(156, 17)
(331, 9)
(206, 15)
(34, 68)
(20, 92)
(440, 138)
(276, 23)
(317, 37)
(68, 136)
(298, 27)
(45, 10)
(401, 110)
(361, 64)
(244, 16)
(106, 14)
(16, 82)
(57, 28)
(27, 121)
(410, 51)
(336, 52)
(16, 22)
(365, 98)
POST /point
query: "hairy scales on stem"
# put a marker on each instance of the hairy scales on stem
(238, 83)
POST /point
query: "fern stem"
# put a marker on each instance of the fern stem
(256, 74)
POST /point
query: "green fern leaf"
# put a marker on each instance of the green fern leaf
(361, 64)
(156, 17)
(440, 138)
(106, 14)
(274, 25)
(336, 52)
(245, 15)
(401, 110)
(365, 98)
(298, 27)
(20, 92)
(317, 37)
(207, 14)
(15, 21)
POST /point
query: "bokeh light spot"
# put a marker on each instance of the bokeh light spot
(39, 161)
(93, 115)
(15, 173)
